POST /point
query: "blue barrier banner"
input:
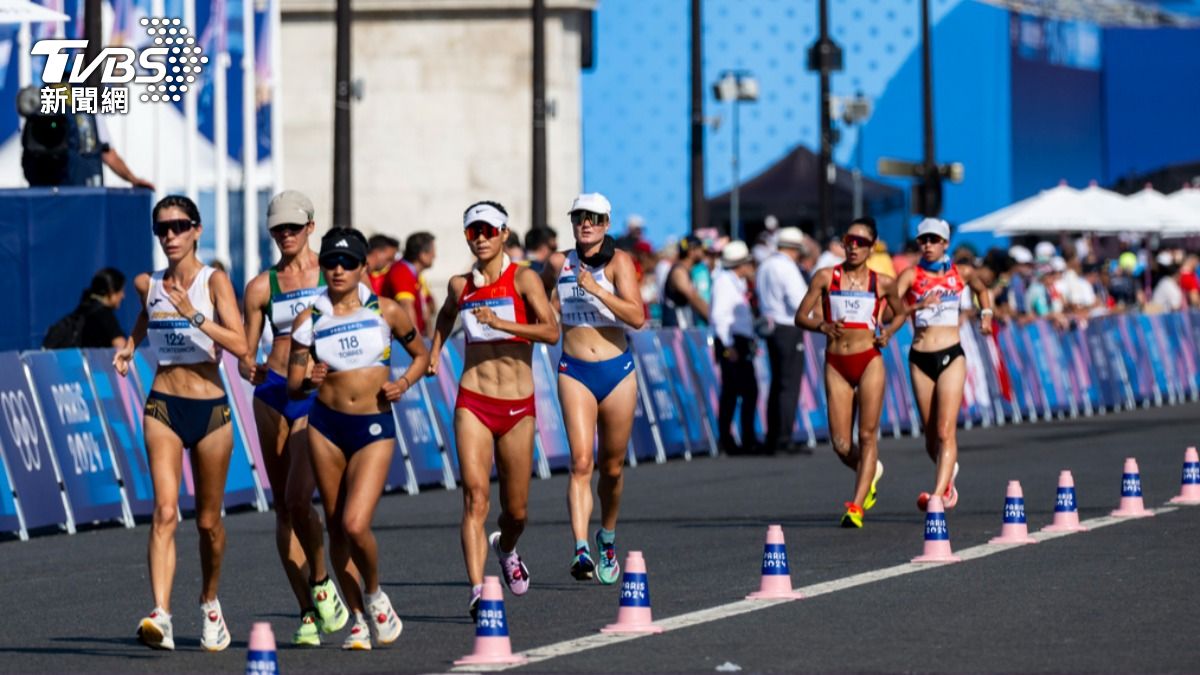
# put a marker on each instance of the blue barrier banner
(118, 400)
(698, 354)
(1037, 353)
(241, 398)
(1023, 400)
(1136, 362)
(1101, 364)
(1177, 333)
(449, 373)
(1148, 337)
(814, 385)
(552, 431)
(691, 409)
(1074, 346)
(76, 433)
(642, 440)
(10, 518)
(26, 451)
(415, 432)
(660, 392)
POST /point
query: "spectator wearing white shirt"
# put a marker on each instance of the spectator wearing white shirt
(734, 342)
(781, 287)
(835, 254)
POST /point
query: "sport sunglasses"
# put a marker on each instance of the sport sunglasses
(480, 228)
(162, 227)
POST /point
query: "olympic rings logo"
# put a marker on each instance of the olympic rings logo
(19, 417)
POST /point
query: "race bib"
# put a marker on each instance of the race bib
(852, 307)
(944, 313)
(503, 308)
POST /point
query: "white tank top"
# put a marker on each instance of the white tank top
(362, 339)
(284, 306)
(173, 338)
(580, 308)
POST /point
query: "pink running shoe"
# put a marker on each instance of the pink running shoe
(516, 574)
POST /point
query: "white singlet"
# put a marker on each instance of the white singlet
(362, 339)
(173, 338)
(580, 308)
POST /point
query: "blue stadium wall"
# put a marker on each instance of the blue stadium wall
(1021, 102)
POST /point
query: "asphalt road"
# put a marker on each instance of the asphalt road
(1118, 599)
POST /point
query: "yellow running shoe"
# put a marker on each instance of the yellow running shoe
(871, 496)
(853, 516)
(309, 632)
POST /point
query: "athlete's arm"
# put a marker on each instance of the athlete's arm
(683, 283)
(984, 295)
(228, 331)
(445, 321)
(543, 327)
(550, 272)
(405, 331)
(805, 317)
(258, 292)
(299, 356)
(626, 303)
(887, 285)
(124, 355)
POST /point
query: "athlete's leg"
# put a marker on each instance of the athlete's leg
(273, 435)
(366, 473)
(922, 387)
(616, 424)
(305, 520)
(329, 468)
(165, 452)
(869, 400)
(948, 397)
(210, 466)
(514, 464)
(579, 416)
(840, 396)
(476, 447)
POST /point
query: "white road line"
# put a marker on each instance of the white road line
(732, 609)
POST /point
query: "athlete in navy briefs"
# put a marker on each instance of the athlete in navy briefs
(189, 313)
(504, 309)
(348, 331)
(599, 297)
(278, 296)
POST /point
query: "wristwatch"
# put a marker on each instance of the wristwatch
(197, 319)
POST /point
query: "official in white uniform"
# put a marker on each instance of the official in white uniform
(734, 342)
(781, 287)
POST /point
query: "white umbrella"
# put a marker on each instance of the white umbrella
(1117, 212)
(1187, 201)
(1059, 209)
(1172, 217)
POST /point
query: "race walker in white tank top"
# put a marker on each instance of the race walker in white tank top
(173, 339)
(362, 339)
(579, 307)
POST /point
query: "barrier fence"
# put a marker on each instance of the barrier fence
(73, 449)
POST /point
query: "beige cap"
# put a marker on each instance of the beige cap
(790, 237)
(735, 253)
(288, 207)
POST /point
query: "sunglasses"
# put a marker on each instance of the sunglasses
(162, 227)
(855, 241)
(346, 262)
(577, 217)
(478, 229)
(288, 228)
(929, 239)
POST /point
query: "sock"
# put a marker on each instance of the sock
(211, 605)
(314, 584)
(164, 613)
(607, 536)
(371, 598)
(582, 544)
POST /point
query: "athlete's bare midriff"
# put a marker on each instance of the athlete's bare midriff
(499, 370)
(192, 380)
(355, 392)
(588, 343)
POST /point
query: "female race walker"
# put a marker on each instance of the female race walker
(852, 298)
(351, 431)
(189, 312)
(278, 296)
(598, 291)
(504, 308)
(931, 291)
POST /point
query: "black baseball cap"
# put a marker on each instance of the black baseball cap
(343, 241)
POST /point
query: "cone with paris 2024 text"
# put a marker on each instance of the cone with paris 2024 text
(492, 645)
(776, 583)
(1066, 510)
(261, 658)
(937, 535)
(1014, 530)
(1189, 491)
(633, 614)
(1132, 505)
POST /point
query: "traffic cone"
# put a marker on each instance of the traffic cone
(776, 581)
(1190, 492)
(1014, 530)
(633, 616)
(1131, 493)
(937, 536)
(261, 658)
(1066, 511)
(492, 645)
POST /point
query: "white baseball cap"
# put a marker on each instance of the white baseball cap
(934, 226)
(485, 213)
(735, 253)
(1020, 255)
(1058, 264)
(790, 237)
(1165, 259)
(591, 201)
(1045, 250)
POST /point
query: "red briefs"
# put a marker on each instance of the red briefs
(852, 366)
(499, 415)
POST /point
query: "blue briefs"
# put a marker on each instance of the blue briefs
(351, 433)
(600, 377)
(273, 392)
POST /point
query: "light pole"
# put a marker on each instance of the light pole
(736, 86)
(855, 112)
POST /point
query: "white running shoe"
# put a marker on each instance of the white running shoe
(155, 631)
(385, 625)
(214, 634)
(359, 638)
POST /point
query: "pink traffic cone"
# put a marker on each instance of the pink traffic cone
(491, 629)
(1131, 493)
(1066, 512)
(776, 581)
(633, 615)
(937, 536)
(261, 658)
(1189, 493)
(1014, 530)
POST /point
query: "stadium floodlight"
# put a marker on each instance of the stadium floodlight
(736, 87)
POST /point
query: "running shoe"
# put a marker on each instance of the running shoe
(516, 574)
(853, 516)
(583, 567)
(609, 570)
(385, 625)
(331, 611)
(473, 606)
(359, 638)
(951, 497)
(871, 496)
(309, 632)
(214, 634)
(923, 501)
(155, 632)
